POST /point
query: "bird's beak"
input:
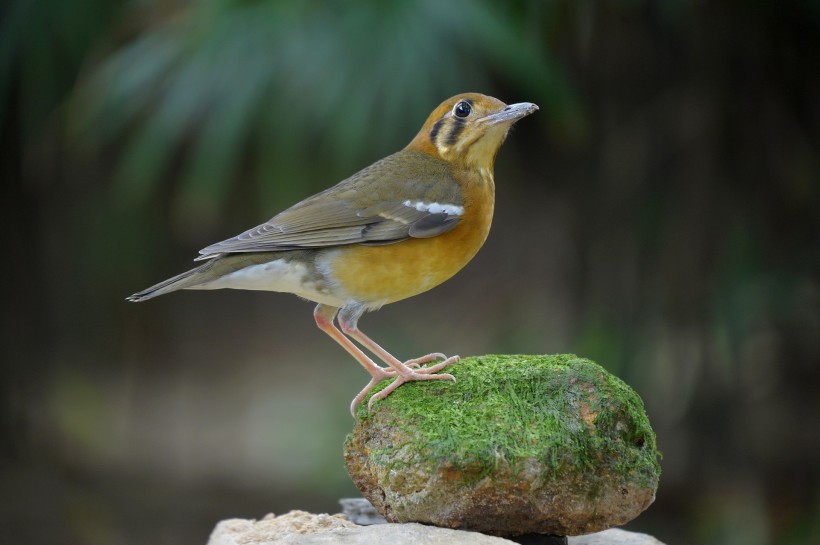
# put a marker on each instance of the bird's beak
(511, 113)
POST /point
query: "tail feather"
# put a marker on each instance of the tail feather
(178, 282)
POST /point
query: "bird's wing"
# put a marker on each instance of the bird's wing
(374, 206)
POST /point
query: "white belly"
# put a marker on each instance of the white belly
(277, 275)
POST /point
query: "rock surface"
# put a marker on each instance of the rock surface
(300, 528)
(614, 536)
(360, 511)
(519, 445)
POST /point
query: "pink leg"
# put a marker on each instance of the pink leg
(404, 370)
(324, 316)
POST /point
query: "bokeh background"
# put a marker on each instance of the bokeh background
(660, 214)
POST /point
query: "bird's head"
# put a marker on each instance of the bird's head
(468, 129)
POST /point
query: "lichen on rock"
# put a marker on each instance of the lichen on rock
(520, 444)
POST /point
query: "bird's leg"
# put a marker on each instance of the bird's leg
(348, 322)
(324, 315)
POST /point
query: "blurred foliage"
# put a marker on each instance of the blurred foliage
(43, 45)
(660, 215)
(286, 91)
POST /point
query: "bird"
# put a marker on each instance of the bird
(395, 229)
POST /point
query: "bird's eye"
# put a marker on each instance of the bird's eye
(462, 109)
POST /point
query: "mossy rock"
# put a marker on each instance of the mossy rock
(519, 445)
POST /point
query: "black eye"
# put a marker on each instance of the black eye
(463, 109)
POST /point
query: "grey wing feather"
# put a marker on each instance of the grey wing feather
(433, 225)
(332, 218)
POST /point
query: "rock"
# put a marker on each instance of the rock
(614, 536)
(300, 528)
(361, 511)
(519, 445)
(539, 539)
(273, 529)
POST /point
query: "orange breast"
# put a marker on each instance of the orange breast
(384, 274)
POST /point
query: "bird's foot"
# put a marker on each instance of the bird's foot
(414, 372)
(376, 378)
(416, 363)
(413, 375)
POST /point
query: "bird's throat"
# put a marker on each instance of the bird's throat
(480, 154)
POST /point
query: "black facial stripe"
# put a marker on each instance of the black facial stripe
(434, 132)
(456, 128)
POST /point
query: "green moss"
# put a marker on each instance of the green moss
(565, 410)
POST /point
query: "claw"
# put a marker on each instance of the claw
(416, 362)
(439, 366)
(374, 380)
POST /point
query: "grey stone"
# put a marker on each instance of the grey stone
(361, 511)
(614, 536)
(300, 528)
(273, 529)
(519, 445)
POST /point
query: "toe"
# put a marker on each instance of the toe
(415, 362)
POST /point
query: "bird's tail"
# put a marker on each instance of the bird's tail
(179, 282)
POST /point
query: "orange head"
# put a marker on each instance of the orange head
(468, 129)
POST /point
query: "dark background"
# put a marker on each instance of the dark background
(660, 214)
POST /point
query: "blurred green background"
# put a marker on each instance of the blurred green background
(660, 214)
